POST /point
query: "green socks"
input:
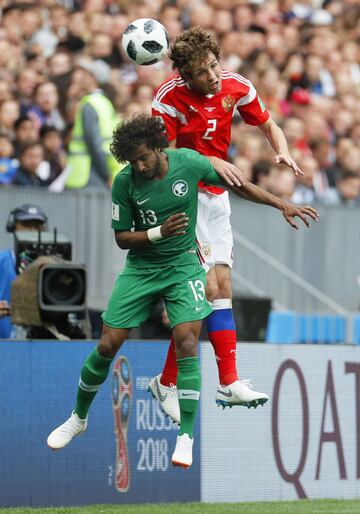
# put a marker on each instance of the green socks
(93, 373)
(96, 368)
(188, 386)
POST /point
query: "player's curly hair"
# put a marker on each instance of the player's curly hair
(191, 47)
(131, 133)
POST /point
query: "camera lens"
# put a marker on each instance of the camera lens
(63, 286)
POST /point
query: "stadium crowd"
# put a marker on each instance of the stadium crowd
(302, 56)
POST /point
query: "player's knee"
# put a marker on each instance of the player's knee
(109, 343)
(187, 347)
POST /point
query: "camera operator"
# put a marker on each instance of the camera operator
(26, 217)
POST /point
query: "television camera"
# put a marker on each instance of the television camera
(49, 294)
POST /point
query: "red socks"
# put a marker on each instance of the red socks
(170, 371)
(222, 335)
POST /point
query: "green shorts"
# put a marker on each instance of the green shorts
(137, 290)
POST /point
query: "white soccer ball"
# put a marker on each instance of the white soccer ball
(145, 41)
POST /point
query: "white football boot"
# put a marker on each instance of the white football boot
(62, 435)
(182, 455)
(167, 397)
(239, 393)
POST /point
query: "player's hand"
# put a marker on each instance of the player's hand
(4, 309)
(228, 172)
(290, 211)
(175, 225)
(282, 158)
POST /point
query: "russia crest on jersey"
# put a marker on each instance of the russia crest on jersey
(228, 103)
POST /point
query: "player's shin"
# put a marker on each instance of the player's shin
(188, 384)
(222, 335)
(93, 373)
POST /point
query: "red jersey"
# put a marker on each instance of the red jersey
(203, 122)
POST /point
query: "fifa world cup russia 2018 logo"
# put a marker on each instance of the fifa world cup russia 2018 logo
(121, 400)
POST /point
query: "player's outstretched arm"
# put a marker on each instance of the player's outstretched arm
(277, 140)
(175, 225)
(290, 211)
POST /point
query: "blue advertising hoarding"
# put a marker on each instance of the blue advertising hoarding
(125, 454)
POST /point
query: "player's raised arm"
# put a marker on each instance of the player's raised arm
(255, 194)
(277, 140)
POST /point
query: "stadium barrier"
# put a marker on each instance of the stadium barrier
(304, 443)
(271, 260)
(356, 329)
(292, 327)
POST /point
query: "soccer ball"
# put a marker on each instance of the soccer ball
(145, 41)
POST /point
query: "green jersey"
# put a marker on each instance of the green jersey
(144, 204)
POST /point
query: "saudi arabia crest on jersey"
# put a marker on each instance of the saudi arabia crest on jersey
(228, 103)
(180, 188)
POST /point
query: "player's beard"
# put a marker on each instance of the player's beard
(154, 171)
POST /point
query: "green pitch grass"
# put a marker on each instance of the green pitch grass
(289, 507)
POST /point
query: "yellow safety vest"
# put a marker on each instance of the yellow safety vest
(79, 160)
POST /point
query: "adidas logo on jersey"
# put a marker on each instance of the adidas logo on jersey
(192, 109)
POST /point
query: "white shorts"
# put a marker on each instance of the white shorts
(213, 229)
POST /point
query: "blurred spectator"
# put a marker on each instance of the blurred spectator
(252, 146)
(322, 153)
(265, 175)
(355, 134)
(351, 160)
(90, 162)
(30, 158)
(45, 107)
(9, 113)
(54, 152)
(8, 165)
(348, 188)
(347, 191)
(312, 185)
(60, 63)
(284, 185)
(78, 33)
(272, 93)
(101, 47)
(316, 78)
(25, 132)
(303, 59)
(26, 82)
(54, 31)
(5, 92)
(294, 130)
(244, 165)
